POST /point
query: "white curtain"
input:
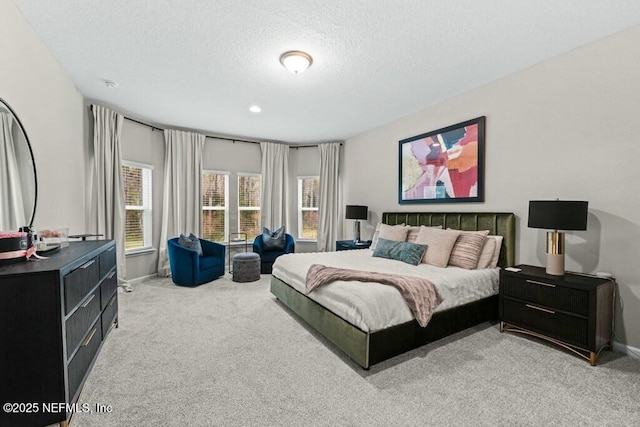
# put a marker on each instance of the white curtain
(329, 200)
(181, 204)
(274, 207)
(107, 199)
(12, 215)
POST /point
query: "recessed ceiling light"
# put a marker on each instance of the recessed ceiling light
(255, 109)
(296, 61)
(111, 84)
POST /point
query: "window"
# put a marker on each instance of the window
(215, 205)
(308, 207)
(137, 195)
(249, 204)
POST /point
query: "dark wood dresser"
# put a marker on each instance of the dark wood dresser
(573, 311)
(55, 315)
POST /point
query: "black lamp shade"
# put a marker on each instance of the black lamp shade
(356, 212)
(558, 214)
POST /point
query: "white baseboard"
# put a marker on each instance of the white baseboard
(626, 349)
(142, 279)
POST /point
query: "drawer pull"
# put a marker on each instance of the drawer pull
(86, 303)
(88, 339)
(111, 275)
(112, 301)
(541, 283)
(541, 309)
(87, 265)
(111, 249)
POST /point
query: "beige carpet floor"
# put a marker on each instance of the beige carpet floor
(229, 354)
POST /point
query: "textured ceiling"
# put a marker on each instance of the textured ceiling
(200, 64)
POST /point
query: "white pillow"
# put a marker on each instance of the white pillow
(496, 252)
(389, 232)
(439, 245)
(487, 253)
(490, 252)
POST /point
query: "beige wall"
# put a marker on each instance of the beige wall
(51, 110)
(565, 128)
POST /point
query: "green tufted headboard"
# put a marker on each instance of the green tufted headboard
(498, 223)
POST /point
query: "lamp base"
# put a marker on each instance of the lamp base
(555, 264)
(555, 253)
(356, 231)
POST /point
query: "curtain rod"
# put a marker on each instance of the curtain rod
(234, 140)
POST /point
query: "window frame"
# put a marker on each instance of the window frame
(227, 175)
(301, 209)
(248, 208)
(146, 207)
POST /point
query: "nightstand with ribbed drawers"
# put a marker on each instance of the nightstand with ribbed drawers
(573, 311)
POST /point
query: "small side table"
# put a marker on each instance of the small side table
(236, 240)
(345, 245)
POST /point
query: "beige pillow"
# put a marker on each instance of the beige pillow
(487, 253)
(389, 232)
(414, 230)
(466, 251)
(439, 245)
(496, 252)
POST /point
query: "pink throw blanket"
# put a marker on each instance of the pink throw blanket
(419, 293)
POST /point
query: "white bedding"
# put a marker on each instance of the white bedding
(373, 306)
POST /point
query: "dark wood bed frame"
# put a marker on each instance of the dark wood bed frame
(369, 348)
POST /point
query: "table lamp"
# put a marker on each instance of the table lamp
(557, 215)
(356, 212)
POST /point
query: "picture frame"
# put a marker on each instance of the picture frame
(443, 166)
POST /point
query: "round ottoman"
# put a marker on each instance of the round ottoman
(246, 267)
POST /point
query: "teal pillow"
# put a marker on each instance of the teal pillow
(408, 252)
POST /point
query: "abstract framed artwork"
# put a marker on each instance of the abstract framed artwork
(443, 166)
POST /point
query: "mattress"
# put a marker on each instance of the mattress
(374, 306)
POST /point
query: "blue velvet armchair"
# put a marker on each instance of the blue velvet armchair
(268, 256)
(190, 269)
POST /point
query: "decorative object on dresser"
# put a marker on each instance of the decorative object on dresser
(357, 213)
(345, 245)
(557, 215)
(574, 311)
(56, 313)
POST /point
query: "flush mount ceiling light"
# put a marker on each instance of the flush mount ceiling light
(296, 61)
(255, 109)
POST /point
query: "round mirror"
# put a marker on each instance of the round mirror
(18, 184)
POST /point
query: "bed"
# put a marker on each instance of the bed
(368, 347)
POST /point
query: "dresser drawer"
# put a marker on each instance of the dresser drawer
(108, 288)
(106, 261)
(78, 283)
(109, 314)
(565, 327)
(82, 360)
(545, 293)
(77, 325)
